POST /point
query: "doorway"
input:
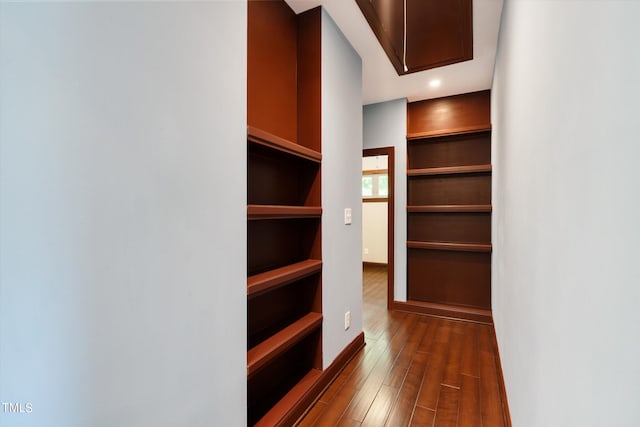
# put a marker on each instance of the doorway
(378, 183)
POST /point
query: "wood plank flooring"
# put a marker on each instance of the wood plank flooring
(414, 371)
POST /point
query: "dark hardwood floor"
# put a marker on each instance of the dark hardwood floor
(415, 370)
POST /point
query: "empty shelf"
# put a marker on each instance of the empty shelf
(277, 344)
(446, 246)
(281, 276)
(449, 208)
(449, 170)
(448, 132)
(258, 136)
(279, 411)
(255, 212)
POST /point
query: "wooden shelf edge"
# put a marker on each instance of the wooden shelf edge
(449, 208)
(449, 170)
(449, 132)
(272, 279)
(449, 246)
(269, 349)
(257, 212)
(445, 310)
(267, 139)
(279, 410)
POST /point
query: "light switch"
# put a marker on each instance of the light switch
(347, 216)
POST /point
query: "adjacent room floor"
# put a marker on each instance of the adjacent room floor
(415, 370)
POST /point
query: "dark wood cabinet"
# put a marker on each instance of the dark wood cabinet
(284, 212)
(449, 206)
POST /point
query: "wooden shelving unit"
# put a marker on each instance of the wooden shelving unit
(284, 212)
(449, 206)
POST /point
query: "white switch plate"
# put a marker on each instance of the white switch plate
(347, 216)
(347, 320)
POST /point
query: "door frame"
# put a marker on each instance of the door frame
(391, 166)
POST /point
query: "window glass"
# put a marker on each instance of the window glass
(383, 185)
(375, 185)
(367, 186)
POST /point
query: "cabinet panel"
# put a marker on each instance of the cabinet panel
(469, 189)
(448, 277)
(271, 64)
(275, 178)
(456, 150)
(272, 311)
(461, 227)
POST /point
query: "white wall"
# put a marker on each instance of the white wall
(374, 218)
(341, 188)
(374, 232)
(385, 125)
(122, 213)
(566, 292)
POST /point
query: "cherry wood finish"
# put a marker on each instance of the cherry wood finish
(414, 369)
(458, 189)
(271, 312)
(448, 311)
(449, 207)
(281, 276)
(455, 227)
(275, 178)
(468, 149)
(309, 79)
(284, 213)
(278, 343)
(448, 246)
(259, 136)
(450, 115)
(303, 404)
(448, 170)
(256, 212)
(274, 384)
(449, 277)
(272, 100)
(280, 242)
(437, 33)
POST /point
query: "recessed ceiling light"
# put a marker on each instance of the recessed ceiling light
(434, 83)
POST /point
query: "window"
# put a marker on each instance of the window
(375, 184)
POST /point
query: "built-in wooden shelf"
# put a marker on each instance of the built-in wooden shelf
(278, 343)
(449, 208)
(258, 136)
(280, 410)
(272, 279)
(448, 132)
(449, 170)
(447, 246)
(257, 212)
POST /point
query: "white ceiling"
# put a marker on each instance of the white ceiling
(380, 80)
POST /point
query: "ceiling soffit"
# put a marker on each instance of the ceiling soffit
(428, 34)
